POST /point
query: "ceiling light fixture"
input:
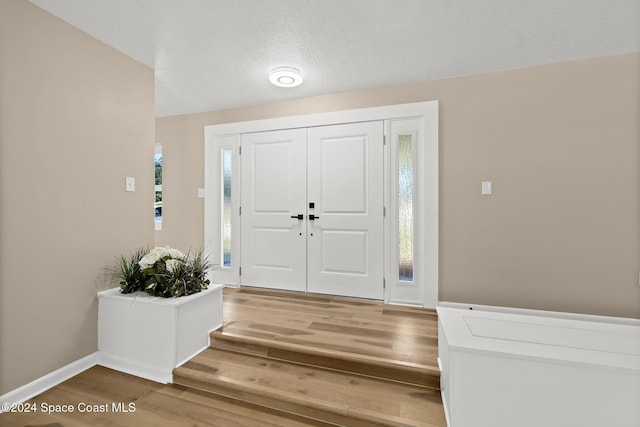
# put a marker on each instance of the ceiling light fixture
(285, 77)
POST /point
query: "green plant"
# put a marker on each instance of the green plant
(127, 272)
(162, 272)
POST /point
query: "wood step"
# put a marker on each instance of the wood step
(349, 334)
(312, 353)
(318, 393)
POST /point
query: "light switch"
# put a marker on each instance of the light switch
(486, 188)
(201, 193)
(129, 183)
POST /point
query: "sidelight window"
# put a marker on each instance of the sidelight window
(406, 199)
(226, 206)
(157, 205)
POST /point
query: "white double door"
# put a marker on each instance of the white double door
(312, 209)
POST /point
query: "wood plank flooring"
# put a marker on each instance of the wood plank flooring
(350, 334)
(155, 405)
(329, 395)
(282, 359)
(394, 334)
(343, 360)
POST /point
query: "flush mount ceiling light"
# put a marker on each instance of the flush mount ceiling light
(285, 77)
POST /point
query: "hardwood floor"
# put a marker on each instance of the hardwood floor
(391, 341)
(318, 356)
(347, 361)
(153, 404)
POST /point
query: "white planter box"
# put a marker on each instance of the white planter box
(149, 336)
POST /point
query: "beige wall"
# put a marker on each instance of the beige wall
(561, 145)
(76, 118)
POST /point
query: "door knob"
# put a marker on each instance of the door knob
(299, 217)
(313, 217)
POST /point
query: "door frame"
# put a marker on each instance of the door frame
(427, 195)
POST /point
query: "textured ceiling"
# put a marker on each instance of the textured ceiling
(216, 54)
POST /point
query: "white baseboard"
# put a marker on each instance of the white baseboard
(52, 379)
(542, 313)
(132, 367)
(406, 303)
(226, 285)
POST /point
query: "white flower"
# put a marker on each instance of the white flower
(159, 253)
(147, 261)
(172, 264)
(175, 254)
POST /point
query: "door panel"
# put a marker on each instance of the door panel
(273, 189)
(343, 174)
(345, 183)
(272, 248)
(344, 252)
(273, 174)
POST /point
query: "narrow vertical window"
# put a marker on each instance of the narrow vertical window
(405, 206)
(157, 207)
(226, 206)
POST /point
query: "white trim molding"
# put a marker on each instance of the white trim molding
(427, 163)
(397, 111)
(45, 382)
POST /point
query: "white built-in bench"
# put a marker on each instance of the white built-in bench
(509, 369)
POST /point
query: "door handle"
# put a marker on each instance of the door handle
(313, 217)
(299, 217)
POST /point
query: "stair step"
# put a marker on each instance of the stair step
(395, 370)
(314, 392)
